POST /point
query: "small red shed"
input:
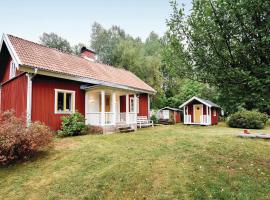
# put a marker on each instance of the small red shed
(167, 113)
(200, 112)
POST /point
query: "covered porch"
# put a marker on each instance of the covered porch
(110, 107)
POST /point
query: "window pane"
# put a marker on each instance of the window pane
(68, 102)
(60, 101)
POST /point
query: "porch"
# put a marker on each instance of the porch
(108, 107)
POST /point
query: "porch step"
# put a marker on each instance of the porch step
(126, 129)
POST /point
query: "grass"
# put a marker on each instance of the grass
(165, 162)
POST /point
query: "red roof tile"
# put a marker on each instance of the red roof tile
(39, 56)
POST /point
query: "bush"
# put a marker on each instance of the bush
(72, 125)
(154, 118)
(248, 119)
(18, 142)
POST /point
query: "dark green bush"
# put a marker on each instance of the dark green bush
(248, 119)
(154, 118)
(72, 125)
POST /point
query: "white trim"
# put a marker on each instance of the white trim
(114, 107)
(210, 116)
(194, 98)
(82, 79)
(12, 71)
(29, 99)
(72, 97)
(127, 108)
(11, 50)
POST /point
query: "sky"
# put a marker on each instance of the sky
(73, 19)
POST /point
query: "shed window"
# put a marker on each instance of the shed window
(64, 101)
(214, 112)
(12, 71)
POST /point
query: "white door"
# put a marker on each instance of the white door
(166, 114)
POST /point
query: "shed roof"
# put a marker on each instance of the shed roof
(203, 101)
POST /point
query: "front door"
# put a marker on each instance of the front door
(197, 113)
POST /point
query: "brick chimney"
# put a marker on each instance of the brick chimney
(88, 54)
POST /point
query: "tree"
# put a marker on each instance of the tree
(224, 43)
(53, 40)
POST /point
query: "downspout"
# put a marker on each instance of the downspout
(30, 77)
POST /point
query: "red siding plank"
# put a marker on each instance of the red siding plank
(43, 96)
(14, 96)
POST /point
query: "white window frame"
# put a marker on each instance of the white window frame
(131, 104)
(72, 92)
(12, 70)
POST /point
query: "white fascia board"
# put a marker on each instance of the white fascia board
(80, 79)
(194, 98)
(11, 50)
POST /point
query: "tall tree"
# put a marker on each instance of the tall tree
(225, 43)
(53, 40)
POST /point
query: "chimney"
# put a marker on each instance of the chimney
(88, 54)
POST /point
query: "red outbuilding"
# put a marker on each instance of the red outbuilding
(44, 84)
(168, 114)
(200, 111)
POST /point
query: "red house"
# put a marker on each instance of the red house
(43, 84)
(200, 111)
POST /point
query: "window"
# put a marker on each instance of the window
(166, 114)
(131, 103)
(214, 112)
(12, 70)
(64, 101)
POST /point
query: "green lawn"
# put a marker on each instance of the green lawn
(165, 162)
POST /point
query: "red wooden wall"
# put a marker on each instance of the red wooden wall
(143, 104)
(177, 116)
(14, 95)
(214, 118)
(43, 97)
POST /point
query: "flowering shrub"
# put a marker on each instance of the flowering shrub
(18, 142)
(72, 125)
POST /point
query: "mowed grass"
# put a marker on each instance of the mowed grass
(165, 162)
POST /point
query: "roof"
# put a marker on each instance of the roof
(37, 56)
(203, 101)
(169, 108)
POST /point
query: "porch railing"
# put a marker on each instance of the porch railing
(205, 119)
(94, 118)
(187, 118)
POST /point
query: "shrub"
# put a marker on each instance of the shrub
(18, 142)
(93, 130)
(72, 125)
(154, 118)
(248, 119)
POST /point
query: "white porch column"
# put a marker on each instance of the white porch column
(207, 117)
(127, 108)
(210, 116)
(148, 102)
(102, 122)
(114, 107)
(135, 108)
(29, 99)
(184, 114)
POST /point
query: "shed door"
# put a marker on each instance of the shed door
(198, 110)
(166, 114)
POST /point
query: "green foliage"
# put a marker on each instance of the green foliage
(248, 119)
(72, 125)
(18, 142)
(225, 44)
(154, 118)
(53, 40)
